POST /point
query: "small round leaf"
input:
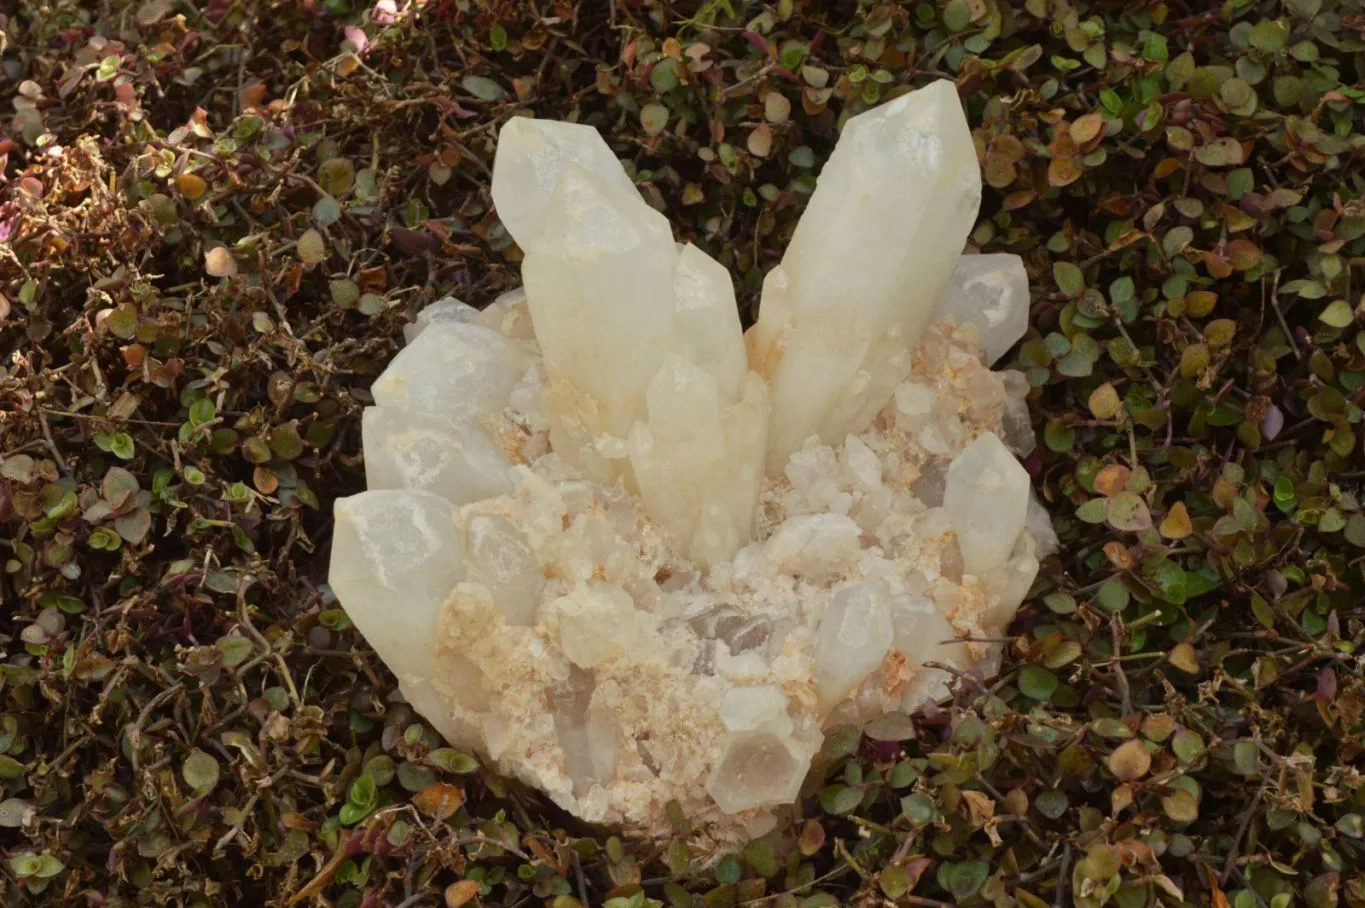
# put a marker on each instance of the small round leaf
(1130, 761)
(200, 771)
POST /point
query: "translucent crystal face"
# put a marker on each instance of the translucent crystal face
(853, 637)
(866, 265)
(634, 557)
(453, 371)
(531, 158)
(986, 498)
(454, 457)
(991, 292)
(758, 769)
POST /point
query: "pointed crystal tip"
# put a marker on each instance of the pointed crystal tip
(530, 160)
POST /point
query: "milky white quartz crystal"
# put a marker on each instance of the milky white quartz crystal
(634, 559)
(875, 247)
(986, 497)
(991, 292)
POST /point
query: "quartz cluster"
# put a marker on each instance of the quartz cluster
(633, 556)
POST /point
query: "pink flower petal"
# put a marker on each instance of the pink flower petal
(357, 39)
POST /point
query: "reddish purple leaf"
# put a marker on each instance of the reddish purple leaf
(1327, 685)
(413, 242)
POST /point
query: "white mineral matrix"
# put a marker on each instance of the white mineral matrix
(632, 556)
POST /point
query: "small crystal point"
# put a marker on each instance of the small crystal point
(456, 371)
(598, 624)
(865, 267)
(454, 458)
(588, 732)
(445, 311)
(991, 292)
(698, 458)
(530, 158)
(1009, 585)
(508, 315)
(760, 769)
(1039, 525)
(987, 500)
(923, 634)
(396, 559)
(762, 707)
(815, 545)
(708, 319)
(1016, 420)
(853, 638)
(501, 558)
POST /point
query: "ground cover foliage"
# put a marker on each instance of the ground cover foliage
(216, 216)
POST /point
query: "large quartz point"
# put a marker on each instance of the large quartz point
(599, 282)
(633, 559)
(866, 265)
(647, 381)
(530, 159)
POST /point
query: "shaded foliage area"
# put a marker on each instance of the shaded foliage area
(215, 218)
